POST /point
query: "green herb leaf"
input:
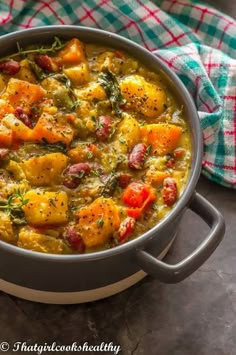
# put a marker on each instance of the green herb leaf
(110, 185)
(52, 201)
(110, 84)
(155, 206)
(53, 147)
(13, 206)
(89, 155)
(149, 149)
(100, 222)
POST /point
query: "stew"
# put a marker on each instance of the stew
(94, 148)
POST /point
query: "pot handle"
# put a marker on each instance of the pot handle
(174, 273)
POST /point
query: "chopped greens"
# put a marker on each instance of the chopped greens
(13, 206)
(110, 84)
(53, 147)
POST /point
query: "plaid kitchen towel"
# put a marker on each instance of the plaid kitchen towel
(193, 39)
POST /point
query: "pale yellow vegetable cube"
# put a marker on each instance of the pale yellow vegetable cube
(127, 134)
(91, 92)
(45, 208)
(44, 170)
(25, 73)
(78, 74)
(20, 130)
(6, 230)
(29, 239)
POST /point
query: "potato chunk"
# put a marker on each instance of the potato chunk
(19, 129)
(93, 91)
(98, 221)
(29, 239)
(6, 230)
(142, 96)
(46, 208)
(127, 134)
(78, 74)
(44, 170)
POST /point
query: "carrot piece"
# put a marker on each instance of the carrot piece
(73, 52)
(138, 196)
(156, 176)
(98, 221)
(20, 93)
(51, 130)
(5, 136)
(5, 108)
(162, 136)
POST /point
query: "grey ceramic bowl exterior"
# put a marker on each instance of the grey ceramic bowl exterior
(71, 273)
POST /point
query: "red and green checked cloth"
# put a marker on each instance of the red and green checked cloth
(196, 41)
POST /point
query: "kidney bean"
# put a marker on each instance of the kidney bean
(47, 63)
(126, 229)
(137, 156)
(19, 113)
(74, 174)
(124, 180)
(170, 163)
(10, 67)
(169, 191)
(74, 239)
(104, 127)
(78, 169)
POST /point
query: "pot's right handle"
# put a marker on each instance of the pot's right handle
(174, 273)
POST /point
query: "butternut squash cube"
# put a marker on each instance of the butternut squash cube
(44, 170)
(142, 96)
(44, 208)
(73, 52)
(22, 93)
(98, 221)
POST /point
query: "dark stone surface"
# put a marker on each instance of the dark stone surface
(197, 316)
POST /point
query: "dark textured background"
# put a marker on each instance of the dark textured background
(195, 317)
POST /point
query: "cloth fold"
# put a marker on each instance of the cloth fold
(193, 39)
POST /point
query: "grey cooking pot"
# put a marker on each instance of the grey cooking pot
(81, 278)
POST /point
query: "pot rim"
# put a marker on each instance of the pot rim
(194, 123)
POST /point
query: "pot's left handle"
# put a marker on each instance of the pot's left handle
(174, 273)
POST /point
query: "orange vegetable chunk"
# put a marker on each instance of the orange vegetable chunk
(19, 130)
(156, 176)
(48, 128)
(98, 221)
(73, 52)
(20, 93)
(5, 136)
(162, 136)
(5, 108)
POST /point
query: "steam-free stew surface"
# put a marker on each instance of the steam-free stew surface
(94, 149)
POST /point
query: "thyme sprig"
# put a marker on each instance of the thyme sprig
(56, 46)
(13, 206)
